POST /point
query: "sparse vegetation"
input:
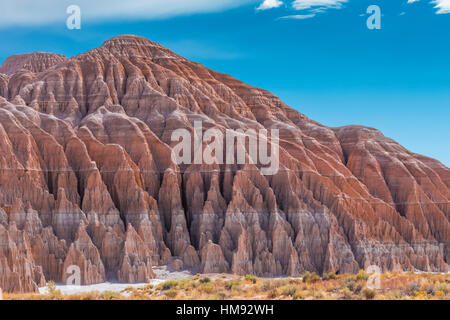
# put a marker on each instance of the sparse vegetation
(396, 286)
(251, 278)
(169, 284)
(329, 276)
(205, 280)
(310, 277)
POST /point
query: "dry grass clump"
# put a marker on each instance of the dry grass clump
(394, 286)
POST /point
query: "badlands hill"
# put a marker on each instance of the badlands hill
(87, 178)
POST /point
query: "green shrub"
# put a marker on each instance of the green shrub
(251, 278)
(169, 284)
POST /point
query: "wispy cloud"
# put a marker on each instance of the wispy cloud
(270, 4)
(311, 8)
(298, 16)
(318, 4)
(40, 12)
(442, 6)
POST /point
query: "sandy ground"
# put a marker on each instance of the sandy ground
(162, 274)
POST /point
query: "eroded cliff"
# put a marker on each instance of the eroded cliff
(87, 178)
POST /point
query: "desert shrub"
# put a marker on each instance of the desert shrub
(169, 284)
(272, 294)
(412, 288)
(329, 276)
(369, 294)
(51, 287)
(111, 295)
(288, 290)
(298, 295)
(430, 290)
(362, 275)
(128, 289)
(266, 285)
(205, 280)
(352, 285)
(207, 287)
(317, 294)
(92, 295)
(396, 294)
(187, 284)
(251, 278)
(346, 294)
(147, 290)
(440, 293)
(442, 287)
(53, 292)
(171, 294)
(420, 295)
(218, 296)
(310, 277)
(232, 285)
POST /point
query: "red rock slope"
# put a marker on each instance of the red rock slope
(86, 178)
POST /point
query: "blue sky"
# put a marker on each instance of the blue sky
(317, 55)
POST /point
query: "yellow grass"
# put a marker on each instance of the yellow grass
(394, 286)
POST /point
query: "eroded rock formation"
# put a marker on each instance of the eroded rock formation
(87, 178)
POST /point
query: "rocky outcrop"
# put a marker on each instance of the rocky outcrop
(87, 178)
(136, 265)
(34, 62)
(18, 270)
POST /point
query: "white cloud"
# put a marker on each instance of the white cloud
(270, 4)
(317, 4)
(313, 7)
(40, 12)
(443, 6)
(298, 16)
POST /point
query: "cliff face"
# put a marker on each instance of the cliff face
(34, 62)
(87, 178)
